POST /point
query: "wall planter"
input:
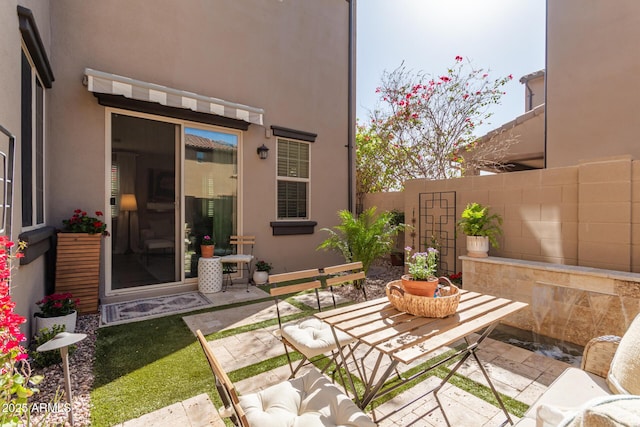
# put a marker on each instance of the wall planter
(78, 268)
(68, 321)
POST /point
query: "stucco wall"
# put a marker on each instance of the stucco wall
(239, 51)
(591, 80)
(27, 280)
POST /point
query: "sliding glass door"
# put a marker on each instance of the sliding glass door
(144, 196)
(152, 242)
(210, 192)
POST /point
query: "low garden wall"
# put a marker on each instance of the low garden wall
(570, 303)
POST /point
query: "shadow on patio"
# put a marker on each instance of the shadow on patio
(247, 349)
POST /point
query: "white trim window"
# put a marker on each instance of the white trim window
(293, 179)
(32, 144)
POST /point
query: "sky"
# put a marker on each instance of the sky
(504, 36)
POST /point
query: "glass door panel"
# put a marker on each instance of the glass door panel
(210, 192)
(144, 211)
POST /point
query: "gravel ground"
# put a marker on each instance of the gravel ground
(81, 362)
(81, 371)
(380, 273)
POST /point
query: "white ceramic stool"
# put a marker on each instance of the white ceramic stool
(209, 275)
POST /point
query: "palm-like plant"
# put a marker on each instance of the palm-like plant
(363, 238)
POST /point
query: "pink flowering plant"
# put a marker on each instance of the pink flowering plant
(81, 222)
(424, 126)
(16, 383)
(55, 305)
(207, 241)
(422, 265)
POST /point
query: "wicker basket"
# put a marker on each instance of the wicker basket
(442, 306)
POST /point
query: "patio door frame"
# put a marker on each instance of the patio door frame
(182, 285)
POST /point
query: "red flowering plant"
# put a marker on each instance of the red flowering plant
(55, 305)
(456, 278)
(16, 383)
(80, 222)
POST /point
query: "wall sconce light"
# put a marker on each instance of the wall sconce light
(263, 152)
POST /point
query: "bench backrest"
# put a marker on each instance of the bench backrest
(346, 274)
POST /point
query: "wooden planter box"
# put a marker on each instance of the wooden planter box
(78, 268)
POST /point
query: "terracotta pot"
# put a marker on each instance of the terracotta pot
(397, 258)
(207, 251)
(425, 288)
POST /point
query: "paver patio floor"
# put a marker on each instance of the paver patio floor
(516, 372)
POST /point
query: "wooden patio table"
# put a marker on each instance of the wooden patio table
(405, 338)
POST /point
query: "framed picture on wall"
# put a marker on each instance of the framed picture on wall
(162, 185)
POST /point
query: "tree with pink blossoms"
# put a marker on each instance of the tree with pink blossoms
(424, 125)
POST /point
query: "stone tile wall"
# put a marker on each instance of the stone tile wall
(570, 303)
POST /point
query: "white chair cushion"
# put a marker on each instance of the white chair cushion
(313, 337)
(611, 411)
(307, 401)
(583, 386)
(237, 258)
(624, 374)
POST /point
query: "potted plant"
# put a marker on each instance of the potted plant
(57, 309)
(78, 258)
(261, 275)
(365, 237)
(207, 246)
(481, 228)
(421, 279)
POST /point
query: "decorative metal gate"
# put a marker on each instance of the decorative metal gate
(437, 227)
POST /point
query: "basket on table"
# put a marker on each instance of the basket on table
(444, 305)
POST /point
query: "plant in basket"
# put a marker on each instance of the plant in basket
(421, 279)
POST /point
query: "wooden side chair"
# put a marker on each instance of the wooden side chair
(346, 274)
(310, 337)
(310, 400)
(238, 260)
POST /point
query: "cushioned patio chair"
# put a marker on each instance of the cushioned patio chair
(310, 337)
(604, 392)
(310, 401)
(238, 260)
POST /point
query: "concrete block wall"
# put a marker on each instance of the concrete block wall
(604, 213)
(586, 215)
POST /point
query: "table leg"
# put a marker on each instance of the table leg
(471, 351)
(344, 363)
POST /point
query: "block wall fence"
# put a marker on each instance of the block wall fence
(570, 248)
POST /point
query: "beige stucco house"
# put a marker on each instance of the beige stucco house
(170, 102)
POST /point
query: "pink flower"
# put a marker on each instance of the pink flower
(458, 58)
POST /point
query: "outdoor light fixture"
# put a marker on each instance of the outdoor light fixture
(263, 152)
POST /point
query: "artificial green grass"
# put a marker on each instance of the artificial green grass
(143, 366)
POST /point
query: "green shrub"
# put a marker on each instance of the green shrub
(47, 358)
(363, 238)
